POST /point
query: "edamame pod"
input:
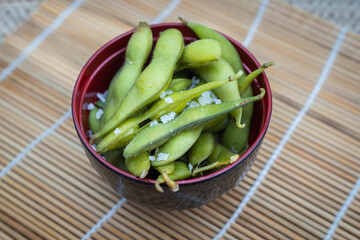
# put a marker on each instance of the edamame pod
(228, 92)
(219, 158)
(151, 82)
(202, 148)
(181, 172)
(232, 137)
(154, 136)
(116, 159)
(114, 139)
(198, 53)
(168, 168)
(246, 82)
(214, 122)
(138, 165)
(137, 52)
(179, 84)
(177, 146)
(94, 121)
(229, 52)
(221, 125)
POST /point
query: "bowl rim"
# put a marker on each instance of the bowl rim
(81, 133)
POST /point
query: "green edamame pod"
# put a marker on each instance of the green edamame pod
(138, 165)
(181, 172)
(114, 139)
(154, 136)
(179, 84)
(177, 146)
(202, 148)
(219, 158)
(168, 168)
(221, 125)
(94, 121)
(151, 82)
(198, 53)
(99, 104)
(237, 138)
(228, 92)
(137, 52)
(229, 52)
(232, 137)
(246, 82)
(214, 122)
(116, 159)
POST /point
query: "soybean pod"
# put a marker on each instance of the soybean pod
(138, 165)
(114, 139)
(198, 53)
(181, 172)
(137, 51)
(228, 92)
(202, 148)
(155, 136)
(152, 81)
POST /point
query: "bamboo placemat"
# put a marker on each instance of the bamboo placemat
(304, 184)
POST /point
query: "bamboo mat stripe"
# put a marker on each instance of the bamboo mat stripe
(343, 210)
(37, 140)
(309, 192)
(256, 23)
(58, 21)
(328, 65)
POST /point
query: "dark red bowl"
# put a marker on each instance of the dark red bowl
(95, 77)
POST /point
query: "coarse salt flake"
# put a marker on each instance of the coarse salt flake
(205, 98)
(169, 100)
(194, 82)
(154, 123)
(190, 167)
(162, 156)
(168, 117)
(101, 97)
(99, 113)
(117, 131)
(164, 93)
(90, 106)
(93, 146)
(217, 101)
(192, 104)
(152, 158)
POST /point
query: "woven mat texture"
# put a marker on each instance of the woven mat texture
(303, 185)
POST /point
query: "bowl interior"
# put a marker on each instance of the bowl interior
(96, 75)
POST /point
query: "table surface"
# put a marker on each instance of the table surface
(306, 179)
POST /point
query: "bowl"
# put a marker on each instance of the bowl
(96, 76)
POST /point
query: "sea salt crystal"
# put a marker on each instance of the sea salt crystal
(152, 158)
(217, 101)
(169, 100)
(93, 146)
(190, 167)
(101, 97)
(194, 82)
(117, 131)
(99, 113)
(90, 106)
(164, 93)
(162, 156)
(205, 98)
(168, 117)
(192, 104)
(90, 133)
(154, 123)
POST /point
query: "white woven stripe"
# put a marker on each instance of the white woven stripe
(343, 210)
(41, 37)
(288, 133)
(104, 219)
(20, 156)
(256, 23)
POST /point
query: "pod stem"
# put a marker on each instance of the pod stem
(174, 186)
(245, 83)
(183, 20)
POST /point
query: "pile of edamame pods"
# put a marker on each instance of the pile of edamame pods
(184, 114)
